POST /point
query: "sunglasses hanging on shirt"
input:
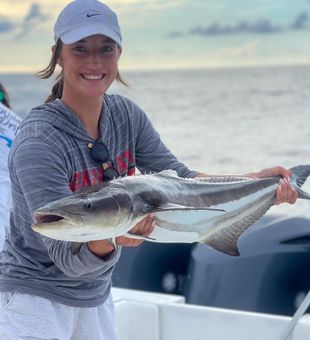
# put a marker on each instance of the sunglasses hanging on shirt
(100, 154)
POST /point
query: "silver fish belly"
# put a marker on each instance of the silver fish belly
(214, 210)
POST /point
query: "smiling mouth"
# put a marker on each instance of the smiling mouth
(93, 76)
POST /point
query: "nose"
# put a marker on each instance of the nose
(94, 58)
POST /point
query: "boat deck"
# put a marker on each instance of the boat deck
(150, 316)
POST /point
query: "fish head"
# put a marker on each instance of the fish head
(98, 213)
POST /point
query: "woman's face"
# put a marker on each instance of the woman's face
(89, 66)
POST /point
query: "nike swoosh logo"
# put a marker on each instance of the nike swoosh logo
(92, 15)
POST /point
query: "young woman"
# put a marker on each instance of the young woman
(80, 137)
(9, 122)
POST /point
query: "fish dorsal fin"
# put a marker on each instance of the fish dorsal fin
(223, 179)
(169, 173)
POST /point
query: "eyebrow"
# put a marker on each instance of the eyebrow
(105, 40)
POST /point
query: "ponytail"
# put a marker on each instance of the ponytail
(57, 89)
(49, 70)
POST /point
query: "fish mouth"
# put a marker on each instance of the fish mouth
(44, 218)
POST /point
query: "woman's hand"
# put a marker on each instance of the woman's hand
(102, 248)
(144, 228)
(285, 192)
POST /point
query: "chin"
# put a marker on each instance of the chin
(95, 92)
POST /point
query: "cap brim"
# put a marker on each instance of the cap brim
(88, 30)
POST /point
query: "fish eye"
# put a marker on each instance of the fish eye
(88, 205)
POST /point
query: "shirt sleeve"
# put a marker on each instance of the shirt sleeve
(41, 172)
(5, 191)
(151, 153)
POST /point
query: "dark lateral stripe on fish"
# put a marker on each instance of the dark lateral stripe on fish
(215, 194)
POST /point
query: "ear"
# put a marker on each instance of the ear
(59, 60)
(119, 52)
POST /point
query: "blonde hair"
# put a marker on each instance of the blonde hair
(50, 69)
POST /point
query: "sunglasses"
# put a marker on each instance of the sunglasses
(100, 154)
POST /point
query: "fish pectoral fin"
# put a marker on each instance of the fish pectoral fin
(178, 219)
(176, 207)
(75, 247)
(139, 237)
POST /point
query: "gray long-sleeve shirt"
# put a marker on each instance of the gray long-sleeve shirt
(50, 160)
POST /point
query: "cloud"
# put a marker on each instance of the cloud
(260, 26)
(34, 17)
(174, 34)
(6, 26)
(301, 21)
(35, 13)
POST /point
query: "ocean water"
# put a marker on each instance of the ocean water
(219, 121)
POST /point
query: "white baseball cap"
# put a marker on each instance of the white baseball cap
(83, 18)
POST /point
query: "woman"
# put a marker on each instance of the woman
(8, 127)
(80, 137)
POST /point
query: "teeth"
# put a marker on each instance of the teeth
(93, 76)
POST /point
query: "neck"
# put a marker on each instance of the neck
(88, 110)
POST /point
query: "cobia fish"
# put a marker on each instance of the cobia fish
(212, 210)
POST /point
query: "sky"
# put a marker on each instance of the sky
(167, 34)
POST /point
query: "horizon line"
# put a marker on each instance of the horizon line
(178, 68)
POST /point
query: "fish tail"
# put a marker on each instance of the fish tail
(300, 175)
(302, 194)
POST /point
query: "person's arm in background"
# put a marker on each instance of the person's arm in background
(5, 196)
(8, 126)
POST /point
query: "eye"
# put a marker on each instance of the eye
(108, 49)
(79, 49)
(88, 205)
